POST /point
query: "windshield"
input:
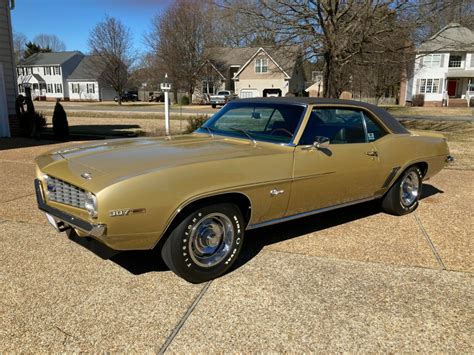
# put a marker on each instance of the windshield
(223, 93)
(271, 122)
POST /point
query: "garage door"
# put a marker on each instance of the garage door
(248, 93)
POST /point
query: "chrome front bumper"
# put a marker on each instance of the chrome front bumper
(63, 221)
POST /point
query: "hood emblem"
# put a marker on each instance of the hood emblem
(86, 176)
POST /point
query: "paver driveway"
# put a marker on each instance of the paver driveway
(353, 279)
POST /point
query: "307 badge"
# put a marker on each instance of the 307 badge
(126, 212)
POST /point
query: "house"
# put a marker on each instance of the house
(252, 72)
(316, 87)
(47, 73)
(8, 122)
(86, 84)
(444, 68)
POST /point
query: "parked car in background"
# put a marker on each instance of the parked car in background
(221, 98)
(128, 96)
(156, 97)
(255, 163)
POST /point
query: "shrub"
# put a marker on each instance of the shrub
(185, 100)
(195, 122)
(60, 124)
(418, 100)
(31, 124)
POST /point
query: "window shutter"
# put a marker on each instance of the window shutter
(441, 63)
(440, 86)
(421, 61)
(472, 60)
(417, 90)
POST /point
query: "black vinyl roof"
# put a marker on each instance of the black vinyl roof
(383, 115)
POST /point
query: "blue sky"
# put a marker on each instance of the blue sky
(72, 20)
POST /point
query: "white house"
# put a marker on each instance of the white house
(46, 74)
(444, 67)
(85, 84)
(8, 122)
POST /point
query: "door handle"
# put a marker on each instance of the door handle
(372, 153)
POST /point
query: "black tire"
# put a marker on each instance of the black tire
(213, 105)
(218, 227)
(401, 198)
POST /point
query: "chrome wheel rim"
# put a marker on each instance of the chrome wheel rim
(211, 239)
(409, 189)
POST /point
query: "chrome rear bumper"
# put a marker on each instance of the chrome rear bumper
(64, 220)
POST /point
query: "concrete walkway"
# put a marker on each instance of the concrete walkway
(349, 280)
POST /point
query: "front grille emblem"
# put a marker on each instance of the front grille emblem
(86, 176)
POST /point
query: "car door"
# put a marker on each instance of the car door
(347, 170)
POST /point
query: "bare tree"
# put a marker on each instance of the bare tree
(179, 38)
(343, 32)
(333, 31)
(439, 13)
(19, 45)
(111, 42)
(50, 41)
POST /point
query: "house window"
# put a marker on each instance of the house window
(49, 88)
(455, 61)
(75, 88)
(316, 77)
(58, 88)
(261, 65)
(90, 88)
(432, 61)
(21, 88)
(47, 70)
(57, 70)
(208, 87)
(429, 86)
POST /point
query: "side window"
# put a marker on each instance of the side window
(341, 126)
(374, 131)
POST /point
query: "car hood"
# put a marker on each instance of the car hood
(119, 159)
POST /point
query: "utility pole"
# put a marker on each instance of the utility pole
(166, 87)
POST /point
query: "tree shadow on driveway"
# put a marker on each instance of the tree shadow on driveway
(140, 262)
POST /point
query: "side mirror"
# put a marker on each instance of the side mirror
(321, 142)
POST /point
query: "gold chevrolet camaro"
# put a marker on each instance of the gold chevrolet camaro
(256, 162)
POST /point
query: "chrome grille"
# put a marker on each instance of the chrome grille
(63, 192)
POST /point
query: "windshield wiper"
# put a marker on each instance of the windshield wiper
(246, 133)
(210, 130)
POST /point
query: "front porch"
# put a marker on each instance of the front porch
(37, 85)
(460, 87)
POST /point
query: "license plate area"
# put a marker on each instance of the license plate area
(52, 221)
(58, 225)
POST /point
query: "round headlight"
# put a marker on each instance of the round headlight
(91, 204)
(49, 184)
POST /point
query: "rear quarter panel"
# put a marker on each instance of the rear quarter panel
(404, 150)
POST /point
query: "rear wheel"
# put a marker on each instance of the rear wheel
(404, 195)
(205, 244)
(213, 105)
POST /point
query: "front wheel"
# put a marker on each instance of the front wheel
(404, 195)
(213, 105)
(205, 244)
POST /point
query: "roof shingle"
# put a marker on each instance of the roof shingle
(51, 58)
